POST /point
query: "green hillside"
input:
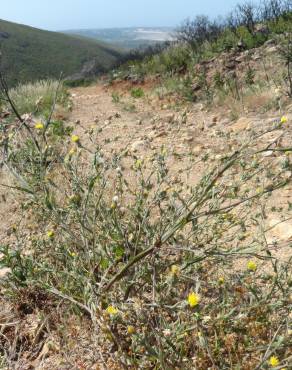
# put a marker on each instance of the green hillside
(31, 54)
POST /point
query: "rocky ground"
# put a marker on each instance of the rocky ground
(186, 133)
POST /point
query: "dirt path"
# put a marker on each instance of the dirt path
(147, 124)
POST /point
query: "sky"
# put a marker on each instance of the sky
(74, 14)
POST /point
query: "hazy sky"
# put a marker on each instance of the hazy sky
(68, 14)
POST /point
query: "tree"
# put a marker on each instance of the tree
(195, 32)
(286, 52)
(247, 15)
(271, 9)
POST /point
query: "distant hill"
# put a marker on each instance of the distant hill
(128, 38)
(30, 54)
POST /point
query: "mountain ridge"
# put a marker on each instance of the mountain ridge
(29, 53)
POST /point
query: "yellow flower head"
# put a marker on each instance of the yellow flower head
(72, 254)
(274, 361)
(138, 164)
(259, 190)
(72, 151)
(193, 299)
(111, 310)
(174, 270)
(164, 151)
(39, 126)
(51, 234)
(284, 119)
(131, 330)
(251, 266)
(221, 280)
(75, 138)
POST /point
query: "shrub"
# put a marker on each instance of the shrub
(37, 98)
(218, 80)
(116, 98)
(151, 262)
(250, 76)
(137, 93)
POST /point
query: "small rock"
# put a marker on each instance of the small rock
(270, 42)
(170, 117)
(279, 230)
(268, 153)
(197, 149)
(256, 57)
(196, 87)
(4, 272)
(211, 124)
(188, 139)
(161, 133)
(242, 124)
(231, 65)
(139, 145)
(271, 50)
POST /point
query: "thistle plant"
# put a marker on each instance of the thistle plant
(150, 261)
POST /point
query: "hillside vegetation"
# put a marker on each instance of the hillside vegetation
(201, 40)
(30, 54)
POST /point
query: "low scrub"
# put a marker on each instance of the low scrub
(38, 98)
(151, 263)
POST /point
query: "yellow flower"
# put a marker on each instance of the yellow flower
(164, 151)
(174, 270)
(75, 138)
(138, 164)
(131, 330)
(193, 299)
(51, 234)
(111, 310)
(75, 199)
(72, 254)
(72, 151)
(251, 266)
(284, 119)
(274, 361)
(39, 126)
(259, 190)
(221, 280)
